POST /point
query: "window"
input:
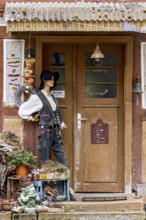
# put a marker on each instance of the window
(58, 64)
(100, 81)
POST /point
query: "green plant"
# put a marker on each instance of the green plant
(51, 166)
(19, 157)
(61, 168)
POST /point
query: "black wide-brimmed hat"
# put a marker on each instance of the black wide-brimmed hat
(47, 75)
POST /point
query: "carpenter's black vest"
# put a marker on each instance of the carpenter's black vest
(48, 117)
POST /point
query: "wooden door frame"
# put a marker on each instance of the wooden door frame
(128, 41)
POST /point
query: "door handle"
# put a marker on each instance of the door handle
(79, 120)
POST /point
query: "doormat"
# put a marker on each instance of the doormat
(100, 199)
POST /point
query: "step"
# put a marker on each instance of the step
(102, 196)
(112, 206)
(82, 216)
(5, 215)
(92, 216)
(72, 215)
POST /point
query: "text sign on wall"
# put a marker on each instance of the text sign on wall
(58, 93)
(99, 132)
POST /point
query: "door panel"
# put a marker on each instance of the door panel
(99, 153)
(104, 154)
(58, 57)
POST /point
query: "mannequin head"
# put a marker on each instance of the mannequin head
(48, 78)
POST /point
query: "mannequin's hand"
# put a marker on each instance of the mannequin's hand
(36, 118)
(63, 126)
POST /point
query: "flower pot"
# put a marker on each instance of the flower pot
(21, 170)
(7, 206)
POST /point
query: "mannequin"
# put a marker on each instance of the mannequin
(44, 107)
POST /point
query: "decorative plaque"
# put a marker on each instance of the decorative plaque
(99, 133)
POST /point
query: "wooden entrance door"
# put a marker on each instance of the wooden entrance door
(91, 102)
(99, 149)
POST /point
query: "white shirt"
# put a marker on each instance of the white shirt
(34, 104)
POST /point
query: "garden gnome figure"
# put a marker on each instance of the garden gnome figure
(28, 198)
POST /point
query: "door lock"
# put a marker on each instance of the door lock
(79, 120)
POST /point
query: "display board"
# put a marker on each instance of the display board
(13, 68)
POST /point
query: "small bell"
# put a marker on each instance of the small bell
(137, 88)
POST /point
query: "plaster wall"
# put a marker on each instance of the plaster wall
(144, 151)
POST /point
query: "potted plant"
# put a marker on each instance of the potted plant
(55, 170)
(20, 159)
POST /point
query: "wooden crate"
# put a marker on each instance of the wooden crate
(13, 188)
(62, 186)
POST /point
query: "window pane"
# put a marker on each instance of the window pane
(58, 65)
(100, 75)
(101, 91)
(59, 87)
(59, 91)
(57, 59)
(61, 74)
(100, 82)
(109, 60)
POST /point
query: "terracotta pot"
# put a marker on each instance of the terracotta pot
(7, 206)
(21, 170)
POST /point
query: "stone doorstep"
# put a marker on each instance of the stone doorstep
(23, 216)
(5, 215)
(103, 196)
(113, 206)
(82, 216)
(92, 216)
(75, 216)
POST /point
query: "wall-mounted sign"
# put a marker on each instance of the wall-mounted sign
(99, 132)
(13, 68)
(58, 93)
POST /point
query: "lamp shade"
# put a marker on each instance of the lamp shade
(97, 54)
(137, 86)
